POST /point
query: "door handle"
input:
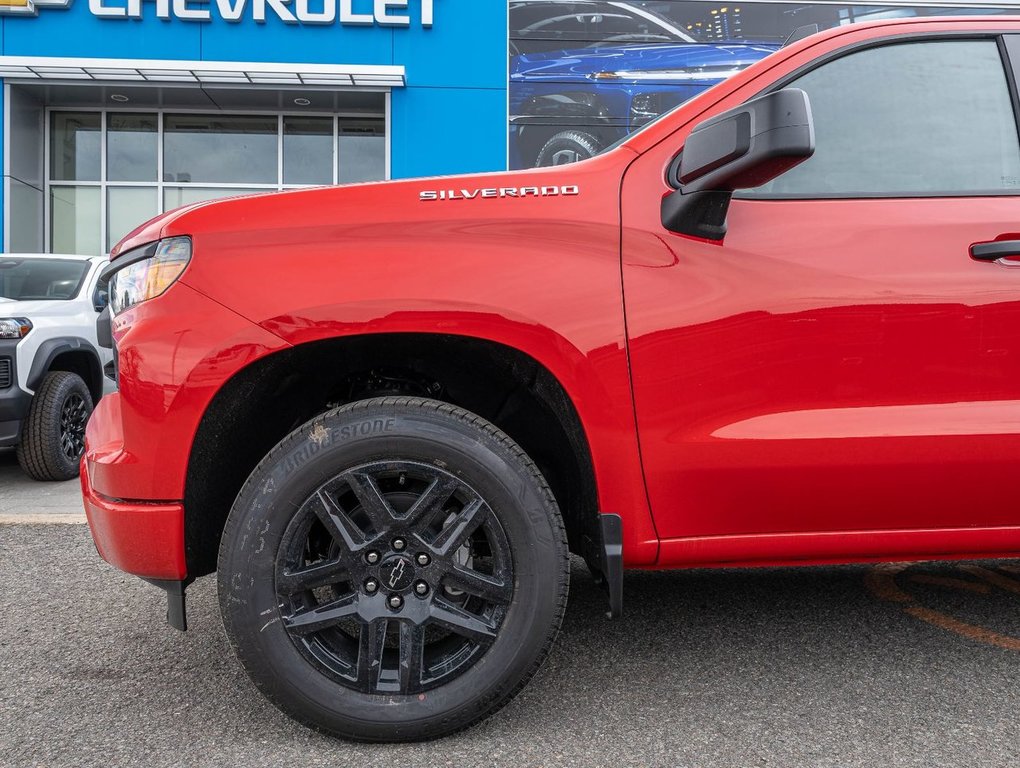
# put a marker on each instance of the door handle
(1001, 251)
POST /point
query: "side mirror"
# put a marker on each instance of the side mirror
(739, 149)
(100, 299)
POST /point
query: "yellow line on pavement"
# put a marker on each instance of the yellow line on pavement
(962, 628)
(951, 583)
(1002, 582)
(881, 581)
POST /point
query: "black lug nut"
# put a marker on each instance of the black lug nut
(423, 559)
(395, 602)
(372, 557)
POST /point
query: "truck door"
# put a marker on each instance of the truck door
(847, 358)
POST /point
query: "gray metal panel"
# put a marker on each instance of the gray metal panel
(350, 102)
(26, 126)
(25, 204)
(99, 96)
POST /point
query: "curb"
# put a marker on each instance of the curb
(43, 519)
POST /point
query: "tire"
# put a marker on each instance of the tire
(443, 501)
(53, 436)
(568, 147)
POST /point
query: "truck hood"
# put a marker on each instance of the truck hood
(582, 65)
(37, 308)
(357, 217)
(292, 262)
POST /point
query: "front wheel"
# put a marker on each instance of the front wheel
(393, 570)
(568, 147)
(53, 436)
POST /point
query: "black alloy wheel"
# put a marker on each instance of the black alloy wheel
(394, 577)
(74, 415)
(393, 570)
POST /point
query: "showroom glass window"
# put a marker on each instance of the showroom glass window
(892, 121)
(109, 170)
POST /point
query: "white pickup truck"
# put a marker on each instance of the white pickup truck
(51, 366)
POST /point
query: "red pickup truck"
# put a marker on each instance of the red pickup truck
(779, 325)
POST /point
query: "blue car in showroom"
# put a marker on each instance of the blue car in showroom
(585, 74)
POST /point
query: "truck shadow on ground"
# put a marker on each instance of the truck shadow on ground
(809, 666)
(714, 646)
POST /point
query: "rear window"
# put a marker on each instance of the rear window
(53, 279)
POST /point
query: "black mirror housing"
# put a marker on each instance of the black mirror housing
(750, 145)
(740, 149)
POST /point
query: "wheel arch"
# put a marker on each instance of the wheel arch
(546, 115)
(71, 354)
(501, 383)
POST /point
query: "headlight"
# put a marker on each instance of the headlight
(14, 327)
(148, 276)
(646, 107)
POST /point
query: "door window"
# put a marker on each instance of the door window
(929, 118)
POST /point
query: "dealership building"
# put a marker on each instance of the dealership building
(114, 110)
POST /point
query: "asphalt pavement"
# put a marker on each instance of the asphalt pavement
(22, 499)
(794, 667)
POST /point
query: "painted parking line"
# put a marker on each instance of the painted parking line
(889, 582)
(43, 519)
(947, 581)
(994, 578)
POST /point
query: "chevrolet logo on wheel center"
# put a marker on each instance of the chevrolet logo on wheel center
(364, 13)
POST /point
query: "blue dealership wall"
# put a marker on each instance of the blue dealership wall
(3, 219)
(450, 117)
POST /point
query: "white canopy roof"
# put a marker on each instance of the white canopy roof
(107, 71)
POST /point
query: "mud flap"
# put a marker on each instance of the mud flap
(176, 612)
(605, 561)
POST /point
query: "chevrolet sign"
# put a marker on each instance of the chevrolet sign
(30, 7)
(390, 13)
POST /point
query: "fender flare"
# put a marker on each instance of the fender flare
(50, 349)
